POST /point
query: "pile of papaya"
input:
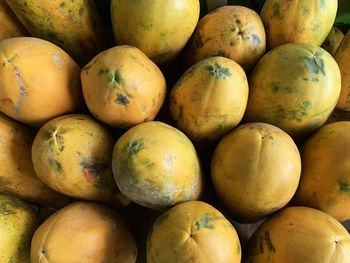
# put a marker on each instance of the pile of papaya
(163, 131)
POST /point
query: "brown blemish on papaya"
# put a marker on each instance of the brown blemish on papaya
(121, 100)
(56, 165)
(276, 11)
(91, 172)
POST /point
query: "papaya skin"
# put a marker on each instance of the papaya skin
(72, 154)
(10, 25)
(18, 221)
(194, 232)
(156, 166)
(235, 32)
(299, 92)
(83, 232)
(325, 179)
(159, 28)
(17, 176)
(122, 87)
(38, 81)
(255, 170)
(209, 99)
(303, 21)
(343, 59)
(75, 26)
(299, 234)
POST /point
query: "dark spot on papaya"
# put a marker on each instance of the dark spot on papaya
(315, 65)
(218, 71)
(86, 68)
(238, 22)
(181, 114)
(256, 40)
(114, 226)
(344, 186)
(268, 242)
(118, 78)
(205, 221)
(336, 241)
(133, 148)
(81, 11)
(232, 28)
(147, 163)
(231, 44)
(92, 171)
(261, 247)
(145, 119)
(121, 100)
(314, 79)
(304, 79)
(307, 104)
(56, 165)
(43, 251)
(62, 5)
(61, 148)
(276, 11)
(220, 53)
(103, 71)
(297, 120)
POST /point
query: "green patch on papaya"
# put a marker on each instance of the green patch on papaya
(121, 100)
(268, 242)
(314, 79)
(256, 40)
(132, 148)
(261, 246)
(81, 11)
(198, 42)
(218, 71)
(305, 11)
(276, 11)
(343, 186)
(205, 221)
(56, 165)
(61, 148)
(103, 71)
(62, 5)
(307, 104)
(322, 4)
(161, 219)
(315, 65)
(118, 78)
(147, 163)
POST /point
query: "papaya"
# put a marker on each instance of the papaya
(193, 232)
(235, 32)
(294, 87)
(156, 166)
(343, 58)
(303, 21)
(325, 179)
(209, 99)
(333, 40)
(18, 221)
(38, 81)
(72, 154)
(17, 176)
(300, 234)
(255, 170)
(75, 25)
(83, 232)
(10, 25)
(122, 87)
(159, 28)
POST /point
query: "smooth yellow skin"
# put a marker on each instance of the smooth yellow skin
(235, 32)
(156, 166)
(302, 21)
(294, 87)
(18, 221)
(333, 40)
(83, 232)
(209, 99)
(338, 115)
(343, 58)
(325, 179)
(193, 232)
(300, 234)
(75, 26)
(38, 81)
(72, 154)
(122, 87)
(160, 28)
(10, 25)
(17, 175)
(255, 170)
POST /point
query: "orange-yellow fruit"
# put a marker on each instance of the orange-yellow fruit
(72, 154)
(325, 178)
(209, 99)
(38, 81)
(255, 170)
(302, 21)
(294, 87)
(83, 232)
(300, 234)
(156, 166)
(235, 32)
(333, 40)
(122, 87)
(193, 232)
